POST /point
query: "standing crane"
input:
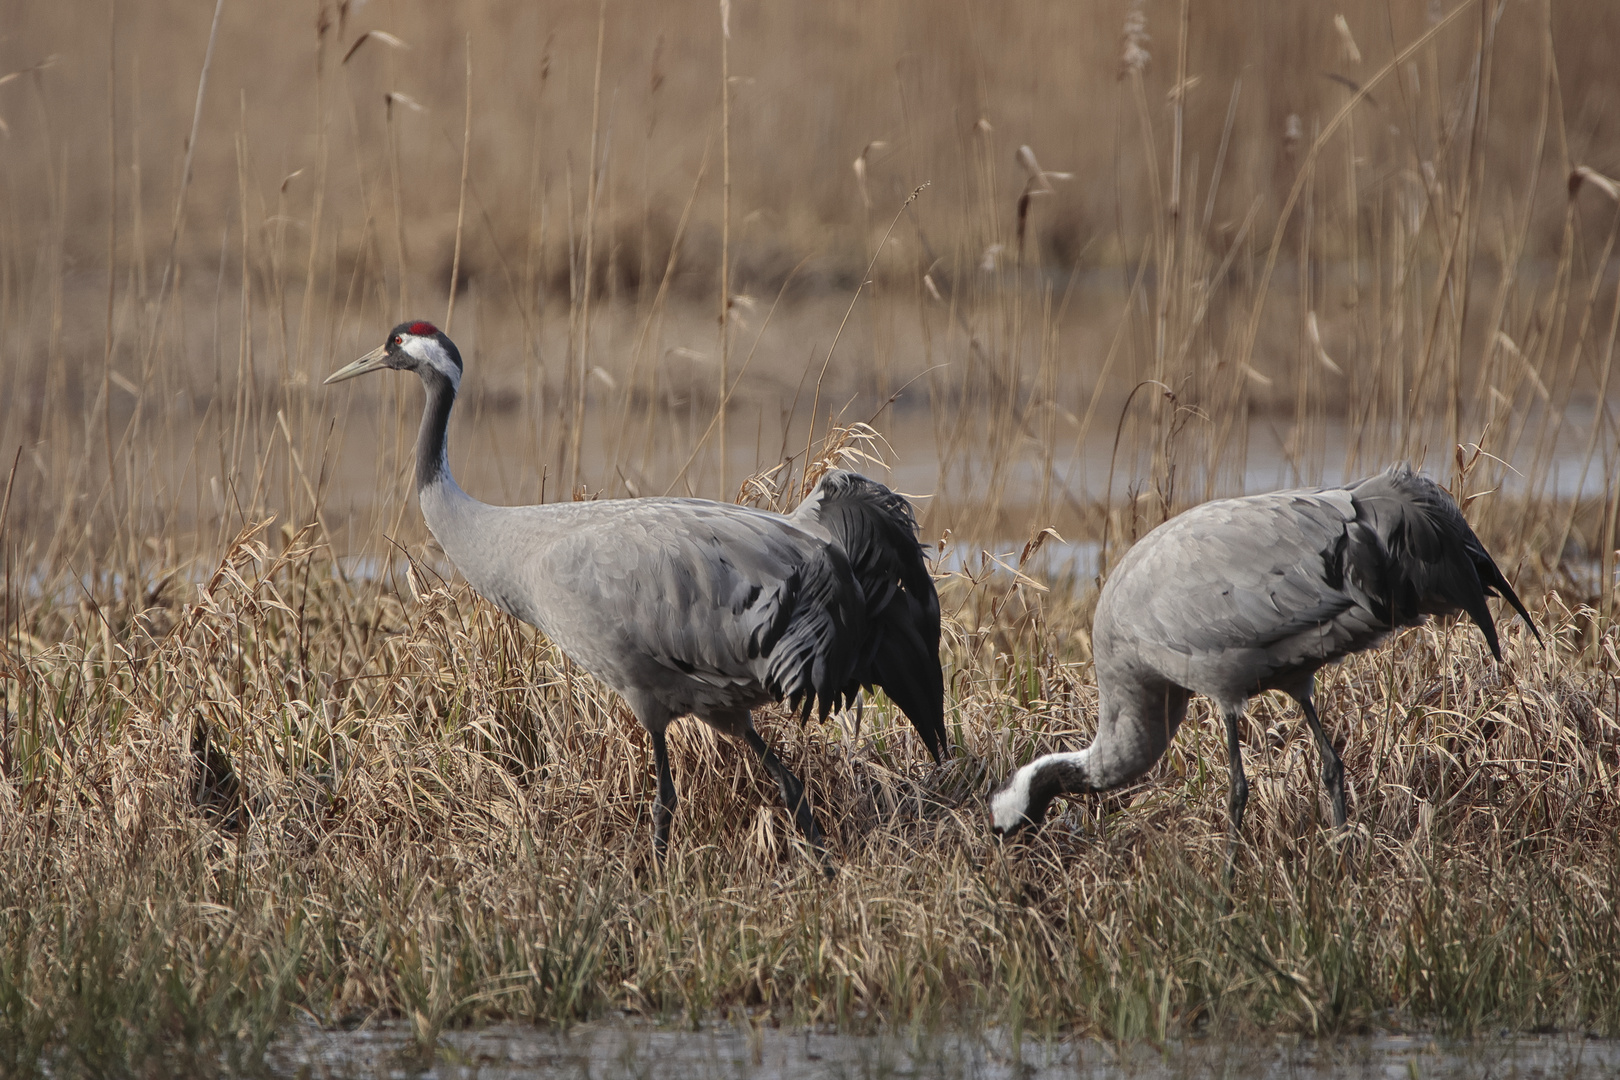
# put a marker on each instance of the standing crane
(1240, 596)
(686, 606)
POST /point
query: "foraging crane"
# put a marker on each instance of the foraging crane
(1239, 596)
(686, 606)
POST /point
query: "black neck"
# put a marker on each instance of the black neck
(1055, 778)
(432, 454)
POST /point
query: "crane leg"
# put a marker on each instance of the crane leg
(1332, 764)
(793, 793)
(1238, 793)
(664, 807)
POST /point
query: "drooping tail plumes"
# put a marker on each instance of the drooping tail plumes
(878, 534)
(1411, 553)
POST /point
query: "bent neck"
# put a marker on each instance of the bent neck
(1059, 774)
(432, 441)
(1025, 799)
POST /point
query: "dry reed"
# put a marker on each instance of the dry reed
(263, 756)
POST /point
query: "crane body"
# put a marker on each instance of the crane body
(691, 607)
(1239, 596)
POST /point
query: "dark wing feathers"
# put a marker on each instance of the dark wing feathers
(807, 661)
(794, 605)
(770, 612)
(1494, 584)
(1411, 553)
(876, 531)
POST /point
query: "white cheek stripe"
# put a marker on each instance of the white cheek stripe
(427, 351)
(1011, 803)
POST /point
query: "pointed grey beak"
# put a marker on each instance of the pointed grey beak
(374, 360)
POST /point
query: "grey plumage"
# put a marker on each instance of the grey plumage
(1240, 596)
(686, 606)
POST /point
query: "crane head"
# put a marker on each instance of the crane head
(411, 346)
(1016, 808)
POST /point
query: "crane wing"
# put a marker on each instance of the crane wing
(1233, 595)
(1237, 591)
(707, 605)
(899, 649)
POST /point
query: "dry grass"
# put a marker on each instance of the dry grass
(297, 794)
(244, 773)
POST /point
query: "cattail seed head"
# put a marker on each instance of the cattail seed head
(1134, 56)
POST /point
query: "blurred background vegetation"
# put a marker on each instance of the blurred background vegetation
(1169, 248)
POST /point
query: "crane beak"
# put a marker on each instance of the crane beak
(374, 360)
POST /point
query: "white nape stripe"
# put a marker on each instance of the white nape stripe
(431, 353)
(1010, 805)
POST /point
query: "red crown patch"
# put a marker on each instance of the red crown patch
(423, 329)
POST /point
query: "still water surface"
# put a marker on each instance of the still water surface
(609, 1051)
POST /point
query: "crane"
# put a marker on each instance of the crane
(1238, 596)
(692, 607)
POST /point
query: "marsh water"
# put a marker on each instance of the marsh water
(993, 449)
(612, 1050)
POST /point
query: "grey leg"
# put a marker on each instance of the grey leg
(1238, 792)
(664, 808)
(793, 793)
(1332, 764)
(1238, 795)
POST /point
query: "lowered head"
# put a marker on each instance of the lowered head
(1016, 808)
(1023, 800)
(411, 346)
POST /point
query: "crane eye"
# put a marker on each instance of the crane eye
(399, 339)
